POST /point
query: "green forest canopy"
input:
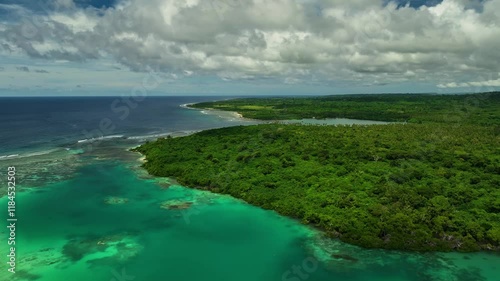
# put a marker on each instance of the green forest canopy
(425, 187)
(482, 108)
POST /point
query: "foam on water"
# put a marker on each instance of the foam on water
(108, 219)
(101, 138)
(88, 212)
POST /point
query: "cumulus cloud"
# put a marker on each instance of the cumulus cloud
(296, 40)
(475, 84)
(64, 4)
(23, 68)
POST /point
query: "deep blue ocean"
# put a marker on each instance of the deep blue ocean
(33, 123)
(86, 210)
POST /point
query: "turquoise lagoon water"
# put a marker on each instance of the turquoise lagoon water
(107, 223)
(333, 121)
(94, 214)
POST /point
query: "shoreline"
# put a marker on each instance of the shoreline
(486, 248)
(313, 121)
(215, 111)
(323, 231)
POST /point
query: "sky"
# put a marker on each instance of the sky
(251, 47)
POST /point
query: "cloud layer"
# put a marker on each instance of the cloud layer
(452, 44)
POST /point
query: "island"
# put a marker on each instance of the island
(430, 181)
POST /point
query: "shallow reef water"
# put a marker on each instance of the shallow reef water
(109, 219)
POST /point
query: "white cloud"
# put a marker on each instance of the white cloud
(77, 21)
(63, 4)
(289, 39)
(472, 84)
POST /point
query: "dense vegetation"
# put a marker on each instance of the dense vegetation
(480, 108)
(431, 186)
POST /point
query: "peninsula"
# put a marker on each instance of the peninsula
(428, 183)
